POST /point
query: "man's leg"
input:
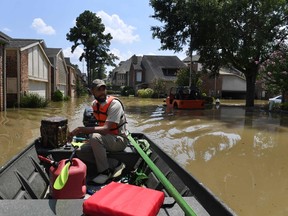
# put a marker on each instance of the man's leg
(101, 144)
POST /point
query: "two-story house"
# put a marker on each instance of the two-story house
(28, 66)
(71, 79)
(4, 40)
(27, 69)
(59, 71)
(230, 83)
(140, 72)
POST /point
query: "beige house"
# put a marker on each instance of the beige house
(28, 66)
(72, 78)
(28, 70)
(4, 40)
(59, 71)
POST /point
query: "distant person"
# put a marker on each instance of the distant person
(109, 135)
(217, 103)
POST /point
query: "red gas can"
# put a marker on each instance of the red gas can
(75, 186)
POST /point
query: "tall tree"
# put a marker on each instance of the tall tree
(234, 33)
(89, 32)
(274, 71)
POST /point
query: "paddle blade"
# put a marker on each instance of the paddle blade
(62, 177)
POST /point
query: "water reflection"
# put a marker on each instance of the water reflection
(240, 155)
(20, 127)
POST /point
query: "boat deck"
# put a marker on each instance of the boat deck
(52, 207)
(24, 184)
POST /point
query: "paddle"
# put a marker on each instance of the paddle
(46, 160)
(162, 178)
(62, 178)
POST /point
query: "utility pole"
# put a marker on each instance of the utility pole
(191, 54)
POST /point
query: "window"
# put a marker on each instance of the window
(139, 76)
(169, 72)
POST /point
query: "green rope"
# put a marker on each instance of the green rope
(166, 183)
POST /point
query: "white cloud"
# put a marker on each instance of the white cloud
(74, 57)
(41, 27)
(6, 29)
(122, 56)
(119, 30)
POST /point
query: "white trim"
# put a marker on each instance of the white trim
(29, 46)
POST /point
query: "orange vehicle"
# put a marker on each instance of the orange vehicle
(185, 97)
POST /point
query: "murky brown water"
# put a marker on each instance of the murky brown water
(241, 157)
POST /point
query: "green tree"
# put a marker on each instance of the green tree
(80, 89)
(159, 87)
(89, 32)
(274, 71)
(183, 77)
(233, 33)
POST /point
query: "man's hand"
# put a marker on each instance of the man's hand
(72, 134)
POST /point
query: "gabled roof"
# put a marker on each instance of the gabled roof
(195, 58)
(123, 68)
(67, 60)
(155, 64)
(137, 62)
(4, 38)
(23, 44)
(231, 72)
(51, 52)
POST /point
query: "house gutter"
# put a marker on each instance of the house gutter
(4, 80)
(18, 77)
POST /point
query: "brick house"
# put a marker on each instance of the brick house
(59, 71)
(140, 72)
(28, 69)
(72, 77)
(4, 40)
(230, 83)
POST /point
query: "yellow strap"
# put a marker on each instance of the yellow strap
(79, 144)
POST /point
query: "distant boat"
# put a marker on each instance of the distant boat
(183, 97)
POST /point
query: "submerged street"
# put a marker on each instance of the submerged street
(240, 156)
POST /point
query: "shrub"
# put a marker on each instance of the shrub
(127, 90)
(33, 100)
(284, 106)
(57, 96)
(208, 100)
(145, 93)
(66, 98)
(80, 89)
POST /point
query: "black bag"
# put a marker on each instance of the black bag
(54, 132)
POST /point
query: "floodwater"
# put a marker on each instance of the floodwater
(241, 156)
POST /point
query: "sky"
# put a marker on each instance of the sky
(128, 21)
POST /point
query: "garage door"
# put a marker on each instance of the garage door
(62, 88)
(38, 87)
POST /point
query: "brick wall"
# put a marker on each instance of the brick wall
(208, 86)
(1, 78)
(24, 79)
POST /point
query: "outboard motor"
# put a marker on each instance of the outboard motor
(88, 118)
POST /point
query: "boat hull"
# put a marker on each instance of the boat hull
(35, 184)
(185, 104)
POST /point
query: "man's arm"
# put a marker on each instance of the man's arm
(105, 129)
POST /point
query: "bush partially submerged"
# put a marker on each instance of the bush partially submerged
(145, 93)
(57, 96)
(33, 100)
(127, 90)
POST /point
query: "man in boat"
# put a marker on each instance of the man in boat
(109, 135)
